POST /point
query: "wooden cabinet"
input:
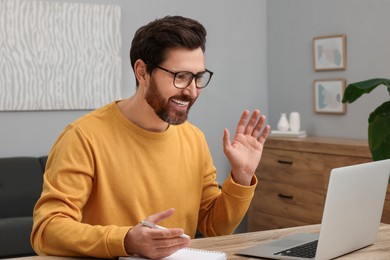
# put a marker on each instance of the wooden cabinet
(293, 177)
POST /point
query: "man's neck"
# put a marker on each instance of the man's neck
(139, 112)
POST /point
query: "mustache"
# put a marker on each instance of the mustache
(183, 98)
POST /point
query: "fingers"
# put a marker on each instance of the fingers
(226, 139)
(241, 124)
(165, 251)
(160, 216)
(165, 233)
(264, 134)
(254, 125)
(162, 232)
(155, 242)
(251, 125)
(162, 243)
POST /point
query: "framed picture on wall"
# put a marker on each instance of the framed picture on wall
(329, 52)
(328, 96)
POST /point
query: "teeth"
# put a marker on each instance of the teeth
(181, 103)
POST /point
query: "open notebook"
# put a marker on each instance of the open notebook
(187, 254)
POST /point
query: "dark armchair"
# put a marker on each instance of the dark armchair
(21, 181)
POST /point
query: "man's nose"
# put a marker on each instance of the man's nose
(192, 90)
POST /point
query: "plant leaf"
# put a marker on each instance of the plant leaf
(382, 110)
(382, 151)
(354, 90)
(379, 132)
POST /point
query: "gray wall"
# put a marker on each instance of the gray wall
(291, 28)
(261, 53)
(236, 53)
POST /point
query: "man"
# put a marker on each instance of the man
(138, 159)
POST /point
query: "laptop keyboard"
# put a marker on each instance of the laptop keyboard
(307, 250)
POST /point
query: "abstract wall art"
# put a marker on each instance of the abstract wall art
(328, 96)
(58, 56)
(329, 52)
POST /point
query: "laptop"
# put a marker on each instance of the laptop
(350, 221)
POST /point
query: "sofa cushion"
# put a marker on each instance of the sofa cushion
(43, 161)
(15, 236)
(21, 181)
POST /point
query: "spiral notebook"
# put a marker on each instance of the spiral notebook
(187, 254)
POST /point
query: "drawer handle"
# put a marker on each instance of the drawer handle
(285, 162)
(289, 197)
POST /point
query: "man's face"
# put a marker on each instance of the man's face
(168, 102)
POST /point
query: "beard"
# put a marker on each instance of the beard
(164, 109)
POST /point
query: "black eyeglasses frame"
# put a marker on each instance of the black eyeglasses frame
(188, 72)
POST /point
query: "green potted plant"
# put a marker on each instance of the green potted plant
(379, 119)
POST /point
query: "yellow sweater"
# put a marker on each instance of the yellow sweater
(104, 175)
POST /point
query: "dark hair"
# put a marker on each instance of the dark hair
(151, 41)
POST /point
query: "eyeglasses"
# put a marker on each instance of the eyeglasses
(183, 79)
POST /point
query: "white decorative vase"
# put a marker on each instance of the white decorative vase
(295, 122)
(283, 124)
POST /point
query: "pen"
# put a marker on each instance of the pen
(151, 225)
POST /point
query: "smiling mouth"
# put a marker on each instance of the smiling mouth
(180, 103)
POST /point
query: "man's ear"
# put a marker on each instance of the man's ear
(140, 70)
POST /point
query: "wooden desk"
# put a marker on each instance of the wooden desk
(231, 244)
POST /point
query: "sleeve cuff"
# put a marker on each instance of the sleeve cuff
(239, 191)
(116, 242)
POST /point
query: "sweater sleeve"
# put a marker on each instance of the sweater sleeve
(222, 210)
(68, 181)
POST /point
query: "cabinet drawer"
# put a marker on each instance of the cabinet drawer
(288, 201)
(311, 170)
(293, 178)
(296, 168)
